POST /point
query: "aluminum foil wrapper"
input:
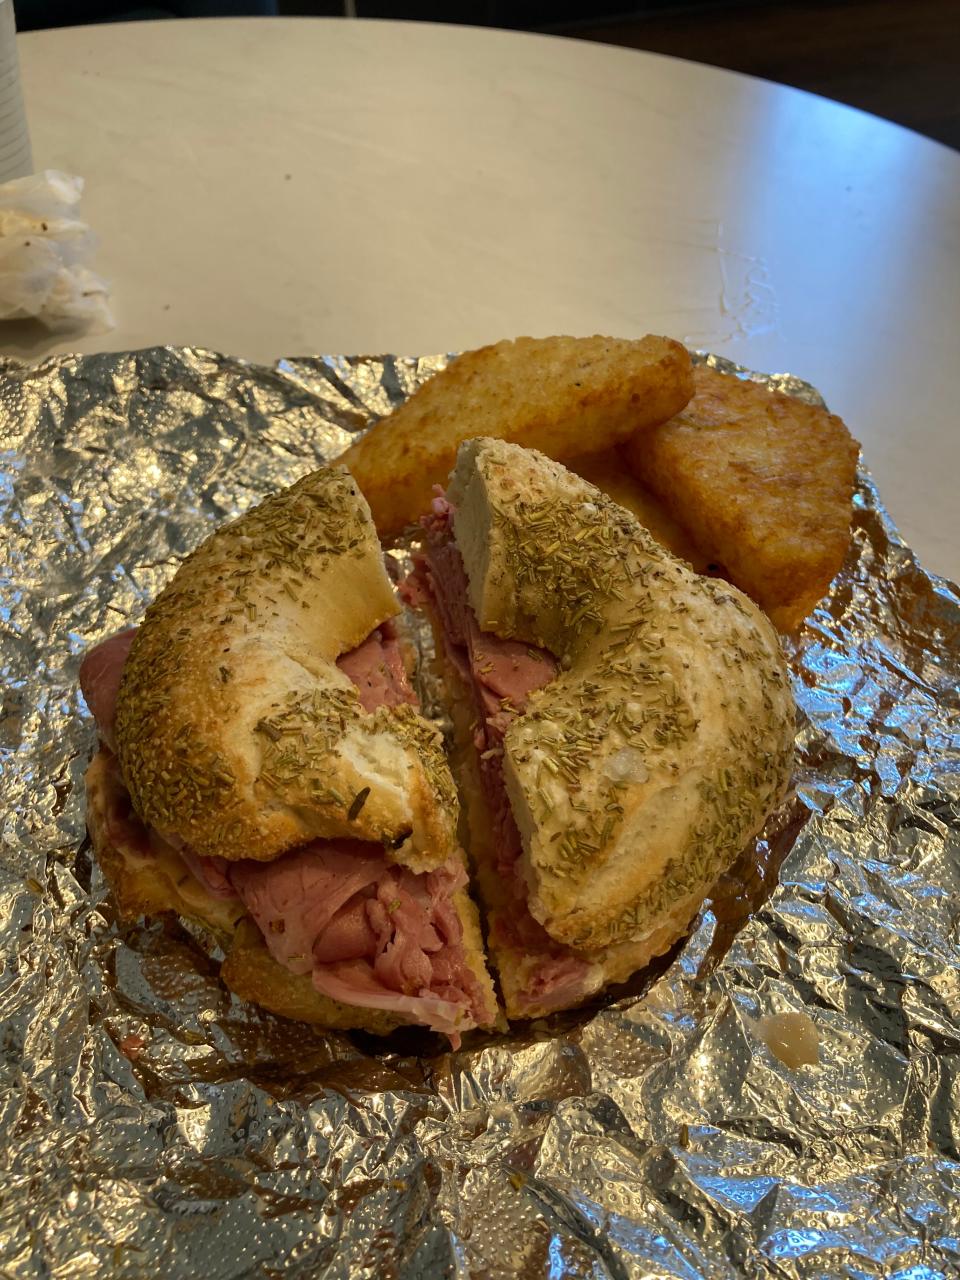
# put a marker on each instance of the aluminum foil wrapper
(151, 1124)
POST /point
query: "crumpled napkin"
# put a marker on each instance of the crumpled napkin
(44, 250)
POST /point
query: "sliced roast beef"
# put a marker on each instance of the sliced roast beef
(100, 674)
(369, 933)
(213, 873)
(295, 898)
(376, 668)
(502, 674)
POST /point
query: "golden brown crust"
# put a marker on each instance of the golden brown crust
(763, 484)
(146, 880)
(236, 730)
(566, 396)
(641, 771)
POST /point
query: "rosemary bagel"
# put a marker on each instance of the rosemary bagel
(638, 718)
(236, 730)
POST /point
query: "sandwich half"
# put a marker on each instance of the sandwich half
(264, 770)
(623, 726)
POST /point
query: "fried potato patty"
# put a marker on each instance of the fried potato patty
(563, 396)
(762, 482)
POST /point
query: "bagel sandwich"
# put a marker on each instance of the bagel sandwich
(622, 726)
(264, 771)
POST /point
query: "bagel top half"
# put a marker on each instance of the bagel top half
(641, 771)
(236, 731)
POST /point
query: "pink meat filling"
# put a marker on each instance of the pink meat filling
(376, 668)
(369, 933)
(502, 674)
(100, 674)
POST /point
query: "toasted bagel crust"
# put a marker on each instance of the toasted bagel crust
(149, 881)
(236, 731)
(640, 773)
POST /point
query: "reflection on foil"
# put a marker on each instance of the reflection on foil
(153, 1124)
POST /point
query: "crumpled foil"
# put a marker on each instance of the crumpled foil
(151, 1124)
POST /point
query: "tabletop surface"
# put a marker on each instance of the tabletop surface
(296, 186)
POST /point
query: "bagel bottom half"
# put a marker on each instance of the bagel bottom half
(149, 878)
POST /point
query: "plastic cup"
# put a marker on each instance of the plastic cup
(15, 158)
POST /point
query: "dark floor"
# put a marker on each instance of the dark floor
(897, 58)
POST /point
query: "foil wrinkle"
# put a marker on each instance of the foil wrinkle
(151, 1123)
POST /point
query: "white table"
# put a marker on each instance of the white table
(291, 186)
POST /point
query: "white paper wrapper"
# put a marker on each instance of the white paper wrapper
(150, 1124)
(44, 254)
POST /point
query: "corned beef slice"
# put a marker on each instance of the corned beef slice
(503, 674)
(371, 934)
